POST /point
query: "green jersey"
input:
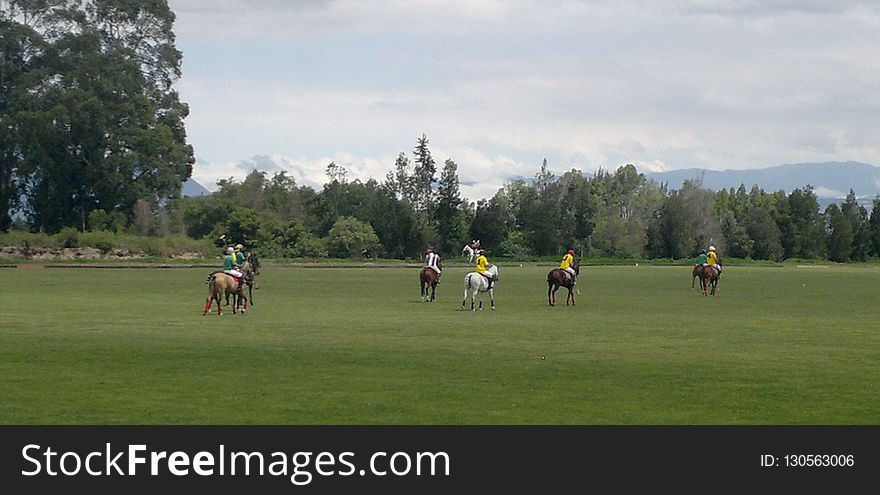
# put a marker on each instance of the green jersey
(228, 262)
(701, 259)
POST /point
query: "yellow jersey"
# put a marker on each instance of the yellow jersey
(712, 258)
(567, 260)
(481, 264)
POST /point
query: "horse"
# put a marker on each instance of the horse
(469, 252)
(250, 269)
(477, 283)
(428, 278)
(698, 273)
(708, 278)
(560, 278)
(220, 284)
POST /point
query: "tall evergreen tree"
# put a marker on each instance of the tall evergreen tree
(423, 177)
(840, 234)
(874, 227)
(449, 214)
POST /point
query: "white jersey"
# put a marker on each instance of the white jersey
(432, 261)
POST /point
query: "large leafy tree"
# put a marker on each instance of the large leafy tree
(92, 119)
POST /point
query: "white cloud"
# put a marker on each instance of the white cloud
(824, 192)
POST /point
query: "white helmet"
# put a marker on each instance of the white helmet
(230, 250)
(711, 248)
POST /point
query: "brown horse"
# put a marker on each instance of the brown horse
(708, 278)
(249, 271)
(428, 278)
(221, 284)
(560, 278)
(698, 273)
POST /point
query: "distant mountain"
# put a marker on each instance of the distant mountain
(830, 180)
(191, 187)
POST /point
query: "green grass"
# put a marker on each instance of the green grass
(357, 346)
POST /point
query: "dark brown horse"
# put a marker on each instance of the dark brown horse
(560, 278)
(428, 278)
(250, 269)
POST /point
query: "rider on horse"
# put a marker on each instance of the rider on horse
(239, 255)
(483, 265)
(566, 263)
(230, 264)
(702, 260)
(712, 260)
(432, 261)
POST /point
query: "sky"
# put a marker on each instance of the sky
(497, 86)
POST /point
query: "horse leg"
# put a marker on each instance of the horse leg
(434, 292)
(208, 304)
(569, 297)
(550, 293)
(251, 293)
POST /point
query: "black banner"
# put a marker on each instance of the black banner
(436, 459)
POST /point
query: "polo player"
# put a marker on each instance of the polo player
(483, 265)
(566, 263)
(432, 261)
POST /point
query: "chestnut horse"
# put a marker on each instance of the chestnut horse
(708, 278)
(220, 284)
(428, 278)
(560, 278)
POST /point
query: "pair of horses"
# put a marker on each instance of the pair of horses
(708, 278)
(222, 284)
(560, 278)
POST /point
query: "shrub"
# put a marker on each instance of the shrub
(68, 237)
(102, 240)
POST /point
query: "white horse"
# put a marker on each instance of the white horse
(477, 283)
(469, 252)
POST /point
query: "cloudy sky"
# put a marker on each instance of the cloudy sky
(499, 85)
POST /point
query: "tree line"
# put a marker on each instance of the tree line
(619, 214)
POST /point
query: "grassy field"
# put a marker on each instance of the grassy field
(357, 346)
